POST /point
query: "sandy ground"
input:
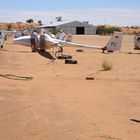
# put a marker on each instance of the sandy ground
(59, 104)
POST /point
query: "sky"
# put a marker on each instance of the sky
(97, 12)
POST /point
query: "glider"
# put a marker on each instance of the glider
(113, 44)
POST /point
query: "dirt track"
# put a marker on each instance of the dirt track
(59, 104)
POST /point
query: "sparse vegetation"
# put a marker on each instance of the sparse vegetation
(59, 18)
(19, 26)
(40, 22)
(106, 65)
(101, 30)
(30, 21)
(55, 30)
(106, 30)
(131, 30)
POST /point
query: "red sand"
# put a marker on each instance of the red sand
(59, 104)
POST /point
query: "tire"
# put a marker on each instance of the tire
(79, 50)
(65, 57)
(75, 62)
(70, 61)
(33, 50)
(58, 53)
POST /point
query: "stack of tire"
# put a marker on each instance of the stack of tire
(70, 61)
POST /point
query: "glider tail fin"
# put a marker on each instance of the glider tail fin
(115, 42)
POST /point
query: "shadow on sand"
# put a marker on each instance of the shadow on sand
(131, 53)
(46, 54)
(5, 50)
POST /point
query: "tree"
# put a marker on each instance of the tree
(30, 21)
(9, 26)
(40, 22)
(59, 18)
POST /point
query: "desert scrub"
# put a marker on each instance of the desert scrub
(106, 65)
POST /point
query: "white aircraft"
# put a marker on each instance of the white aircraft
(113, 44)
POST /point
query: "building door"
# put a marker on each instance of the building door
(80, 30)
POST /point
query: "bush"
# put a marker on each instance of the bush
(103, 30)
(106, 65)
(30, 21)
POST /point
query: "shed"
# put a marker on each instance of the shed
(74, 27)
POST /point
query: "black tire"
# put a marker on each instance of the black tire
(70, 61)
(65, 57)
(33, 50)
(110, 51)
(75, 62)
(89, 78)
(79, 50)
(58, 53)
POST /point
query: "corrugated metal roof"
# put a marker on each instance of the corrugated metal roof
(61, 23)
(53, 24)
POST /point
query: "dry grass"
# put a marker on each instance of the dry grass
(107, 65)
